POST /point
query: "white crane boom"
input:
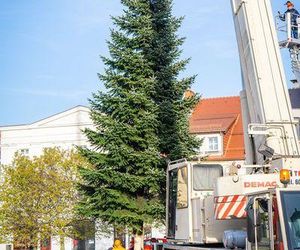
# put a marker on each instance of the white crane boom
(264, 81)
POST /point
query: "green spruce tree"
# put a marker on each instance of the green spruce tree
(175, 141)
(123, 187)
(142, 113)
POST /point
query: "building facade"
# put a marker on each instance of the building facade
(63, 130)
(218, 123)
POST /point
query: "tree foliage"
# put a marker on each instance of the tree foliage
(175, 108)
(38, 196)
(141, 114)
(124, 185)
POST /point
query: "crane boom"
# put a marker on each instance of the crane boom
(264, 81)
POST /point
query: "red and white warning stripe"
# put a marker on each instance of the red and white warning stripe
(230, 207)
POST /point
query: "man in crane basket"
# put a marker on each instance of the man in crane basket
(294, 16)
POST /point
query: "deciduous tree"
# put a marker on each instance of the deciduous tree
(38, 196)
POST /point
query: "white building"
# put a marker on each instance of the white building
(62, 130)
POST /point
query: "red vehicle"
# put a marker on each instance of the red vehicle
(153, 243)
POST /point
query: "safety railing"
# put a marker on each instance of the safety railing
(288, 26)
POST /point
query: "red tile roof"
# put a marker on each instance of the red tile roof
(211, 124)
(221, 115)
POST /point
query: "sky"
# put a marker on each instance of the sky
(50, 52)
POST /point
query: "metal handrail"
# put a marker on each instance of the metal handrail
(286, 25)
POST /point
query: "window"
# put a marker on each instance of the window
(290, 202)
(213, 144)
(24, 151)
(173, 176)
(205, 176)
(182, 188)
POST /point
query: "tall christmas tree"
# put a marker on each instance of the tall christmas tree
(123, 188)
(142, 114)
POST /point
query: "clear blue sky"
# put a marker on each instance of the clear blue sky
(49, 52)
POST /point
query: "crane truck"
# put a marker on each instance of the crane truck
(255, 205)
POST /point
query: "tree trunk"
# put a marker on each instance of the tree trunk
(138, 242)
(62, 242)
(139, 239)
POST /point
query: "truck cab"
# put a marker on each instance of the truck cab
(190, 203)
(273, 220)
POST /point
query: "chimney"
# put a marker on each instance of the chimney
(188, 94)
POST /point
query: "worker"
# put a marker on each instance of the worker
(294, 16)
(118, 245)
